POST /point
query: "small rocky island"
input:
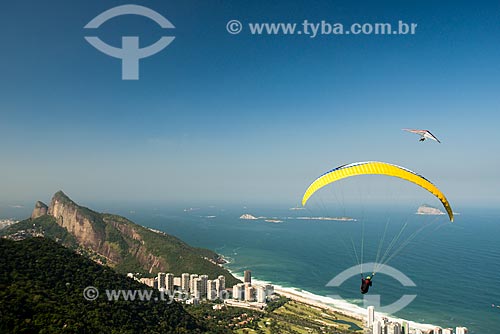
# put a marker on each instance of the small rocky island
(248, 216)
(429, 210)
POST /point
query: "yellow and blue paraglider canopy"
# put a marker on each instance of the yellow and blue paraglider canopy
(375, 168)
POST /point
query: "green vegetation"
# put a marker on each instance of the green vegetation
(277, 303)
(295, 317)
(41, 290)
(225, 320)
(281, 316)
(114, 237)
(178, 256)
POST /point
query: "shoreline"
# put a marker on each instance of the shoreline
(341, 307)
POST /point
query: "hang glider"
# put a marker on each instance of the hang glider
(424, 134)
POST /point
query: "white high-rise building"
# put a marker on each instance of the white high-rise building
(447, 331)
(371, 316)
(239, 291)
(177, 281)
(162, 281)
(222, 281)
(215, 288)
(461, 330)
(169, 282)
(216, 283)
(197, 287)
(185, 282)
(438, 330)
(261, 294)
(247, 276)
(191, 282)
(269, 289)
(393, 328)
(377, 328)
(204, 280)
(249, 293)
(211, 289)
(405, 327)
(208, 292)
(221, 286)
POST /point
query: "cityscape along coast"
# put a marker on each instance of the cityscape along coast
(254, 294)
(196, 288)
(388, 324)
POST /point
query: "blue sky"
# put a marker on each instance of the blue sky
(218, 117)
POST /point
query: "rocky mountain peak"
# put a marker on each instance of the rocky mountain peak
(84, 224)
(40, 209)
(62, 198)
(116, 241)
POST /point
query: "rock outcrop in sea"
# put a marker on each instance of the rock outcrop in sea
(429, 210)
(248, 216)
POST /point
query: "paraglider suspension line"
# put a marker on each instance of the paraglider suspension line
(362, 246)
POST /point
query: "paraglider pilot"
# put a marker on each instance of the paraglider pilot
(366, 283)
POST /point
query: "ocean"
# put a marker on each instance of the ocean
(455, 266)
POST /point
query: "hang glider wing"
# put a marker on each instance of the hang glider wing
(424, 134)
